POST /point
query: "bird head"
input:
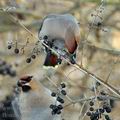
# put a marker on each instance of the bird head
(24, 83)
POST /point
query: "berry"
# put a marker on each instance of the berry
(107, 117)
(99, 23)
(9, 46)
(91, 103)
(52, 106)
(101, 110)
(16, 50)
(58, 112)
(91, 109)
(53, 94)
(102, 93)
(33, 56)
(60, 100)
(28, 60)
(63, 92)
(96, 114)
(53, 112)
(63, 85)
(45, 37)
(88, 113)
(60, 107)
(98, 84)
(108, 109)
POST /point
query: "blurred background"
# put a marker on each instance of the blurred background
(98, 51)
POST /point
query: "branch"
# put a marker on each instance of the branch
(113, 90)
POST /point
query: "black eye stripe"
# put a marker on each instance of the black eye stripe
(26, 88)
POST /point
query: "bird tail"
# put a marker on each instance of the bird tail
(51, 60)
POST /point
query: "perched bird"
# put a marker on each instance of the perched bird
(61, 33)
(33, 101)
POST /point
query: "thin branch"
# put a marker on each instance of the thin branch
(112, 89)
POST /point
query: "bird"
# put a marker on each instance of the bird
(60, 32)
(33, 100)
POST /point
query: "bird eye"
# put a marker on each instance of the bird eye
(26, 88)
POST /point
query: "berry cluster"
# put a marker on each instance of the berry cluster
(17, 50)
(103, 110)
(56, 109)
(6, 69)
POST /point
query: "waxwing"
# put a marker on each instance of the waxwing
(33, 101)
(62, 34)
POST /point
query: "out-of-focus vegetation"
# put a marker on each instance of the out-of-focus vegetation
(99, 53)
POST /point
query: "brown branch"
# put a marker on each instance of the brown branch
(112, 89)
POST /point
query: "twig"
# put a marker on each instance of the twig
(113, 90)
(81, 110)
(58, 88)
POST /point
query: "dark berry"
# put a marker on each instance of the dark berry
(63, 92)
(9, 46)
(33, 56)
(52, 106)
(56, 47)
(108, 109)
(101, 110)
(99, 23)
(92, 117)
(63, 85)
(100, 98)
(53, 94)
(45, 37)
(16, 50)
(53, 112)
(60, 100)
(28, 60)
(91, 103)
(58, 112)
(91, 109)
(96, 114)
(102, 93)
(60, 107)
(88, 113)
(107, 117)
(98, 84)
